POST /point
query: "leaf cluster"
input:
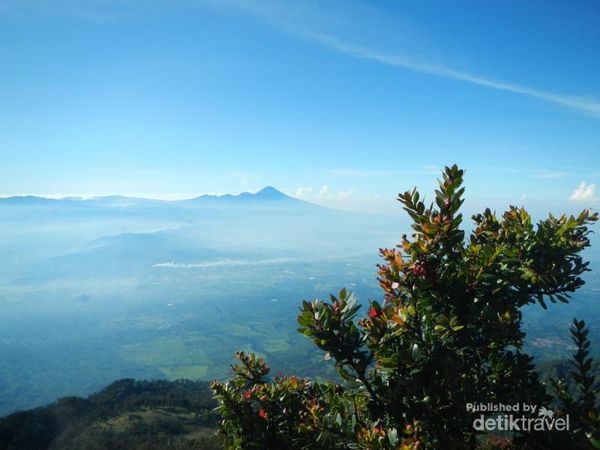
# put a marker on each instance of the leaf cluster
(446, 333)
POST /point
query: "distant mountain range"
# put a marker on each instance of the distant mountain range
(266, 195)
(96, 289)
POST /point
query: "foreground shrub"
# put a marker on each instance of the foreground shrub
(446, 333)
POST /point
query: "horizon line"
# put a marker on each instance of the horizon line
(132, 196)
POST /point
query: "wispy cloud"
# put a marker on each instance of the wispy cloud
(310, 25)
(224, 263)
(345, 199)
(369, 173)
(357, 173)
(584, 193)
(550, 175)
(346, 194)
(310, 21)
(582, 104)
(323, 193)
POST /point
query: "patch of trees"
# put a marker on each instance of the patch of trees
(83, 423)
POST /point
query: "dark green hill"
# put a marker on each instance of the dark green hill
(128, 414)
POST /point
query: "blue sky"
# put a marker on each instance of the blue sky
(342, 103)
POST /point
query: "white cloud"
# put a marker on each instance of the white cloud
(550, 175)
(325, 191)
(303, 192)
(584, 193)
(342, 199)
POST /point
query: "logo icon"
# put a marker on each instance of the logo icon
(545, 413)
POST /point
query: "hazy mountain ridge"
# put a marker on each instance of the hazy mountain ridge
(267, 194)
(116, 287)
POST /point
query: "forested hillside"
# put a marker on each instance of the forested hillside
(128, 414)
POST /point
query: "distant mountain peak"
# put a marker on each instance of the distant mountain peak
(271, 193)
(266, 194)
